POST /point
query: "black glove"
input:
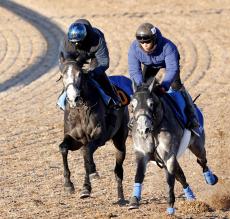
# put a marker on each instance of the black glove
(91, 73)
(160, 90)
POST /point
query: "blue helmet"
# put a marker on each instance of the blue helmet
(77, 32)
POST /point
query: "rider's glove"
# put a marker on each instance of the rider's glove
(160, 89)
(91, 73)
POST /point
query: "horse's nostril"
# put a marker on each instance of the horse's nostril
(141, 131)
(146, 130)
(78, 99)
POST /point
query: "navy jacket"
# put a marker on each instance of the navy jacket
(93, 47)
(165, 55)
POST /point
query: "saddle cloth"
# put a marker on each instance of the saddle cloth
(121, 84)
(123, 87)
(177, 103)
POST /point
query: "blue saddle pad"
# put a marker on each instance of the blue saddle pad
(177, 103)
(123, 87)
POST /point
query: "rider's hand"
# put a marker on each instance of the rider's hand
(91, 73)
(160, 89)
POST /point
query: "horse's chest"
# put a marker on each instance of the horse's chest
(143, 145)
(87, 125)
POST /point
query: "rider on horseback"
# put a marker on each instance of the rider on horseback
(85, 43)
(155, 52)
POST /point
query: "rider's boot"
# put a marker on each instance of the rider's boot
(62, 100)
(193, 123)
(106, 85)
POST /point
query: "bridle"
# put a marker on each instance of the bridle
(78, 99)
(151, 116)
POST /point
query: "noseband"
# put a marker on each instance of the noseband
(142, 112)
(78, 100)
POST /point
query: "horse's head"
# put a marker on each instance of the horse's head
(147, 108)
(71, 78)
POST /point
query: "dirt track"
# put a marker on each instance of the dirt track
(31, 181)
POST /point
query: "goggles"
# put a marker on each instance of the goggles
(144, 39)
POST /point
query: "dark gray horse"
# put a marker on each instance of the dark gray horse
(88, 124)
(158, 136)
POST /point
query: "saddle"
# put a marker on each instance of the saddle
(123, 87)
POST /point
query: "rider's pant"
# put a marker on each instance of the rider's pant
(106, 85)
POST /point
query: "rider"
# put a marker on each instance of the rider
(85, 43)
(154, 52)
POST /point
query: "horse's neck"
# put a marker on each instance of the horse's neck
(159, 113)
(90, 93)
(168, 113)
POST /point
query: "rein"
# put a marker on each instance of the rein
(69, 85)
(143, 113)
(150, 116)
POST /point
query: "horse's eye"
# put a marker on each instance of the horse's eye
(150, 103)
(134, 103)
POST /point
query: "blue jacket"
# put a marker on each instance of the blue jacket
(165, 55)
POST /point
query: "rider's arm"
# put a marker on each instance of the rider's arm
(172, 59)
(102, 56)
(134, 66)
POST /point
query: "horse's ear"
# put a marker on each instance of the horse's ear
(61, 58)
(61, 63)
(134, 86)
(152, 85)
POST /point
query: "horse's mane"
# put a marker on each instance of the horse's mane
(142, 88)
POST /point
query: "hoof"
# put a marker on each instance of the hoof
(216, 179)
(210, 178)
(121, 202)
(94, 176)
(69, 189)
(85, 193)
(189, 194)
(170, 211)
(134, 203)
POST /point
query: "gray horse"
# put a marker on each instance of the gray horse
(159, 136)
(88, 124)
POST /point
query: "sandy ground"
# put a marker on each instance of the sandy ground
(31, 176)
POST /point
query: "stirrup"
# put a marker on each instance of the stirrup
(195, 131)
(194, 126)
(114, 104)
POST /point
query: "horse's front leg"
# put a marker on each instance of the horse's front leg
(90, 169)
(170, 170)
(141, 160)
(68, 185)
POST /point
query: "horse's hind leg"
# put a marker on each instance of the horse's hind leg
(174, 171)
(198, 149)
(119, 141)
